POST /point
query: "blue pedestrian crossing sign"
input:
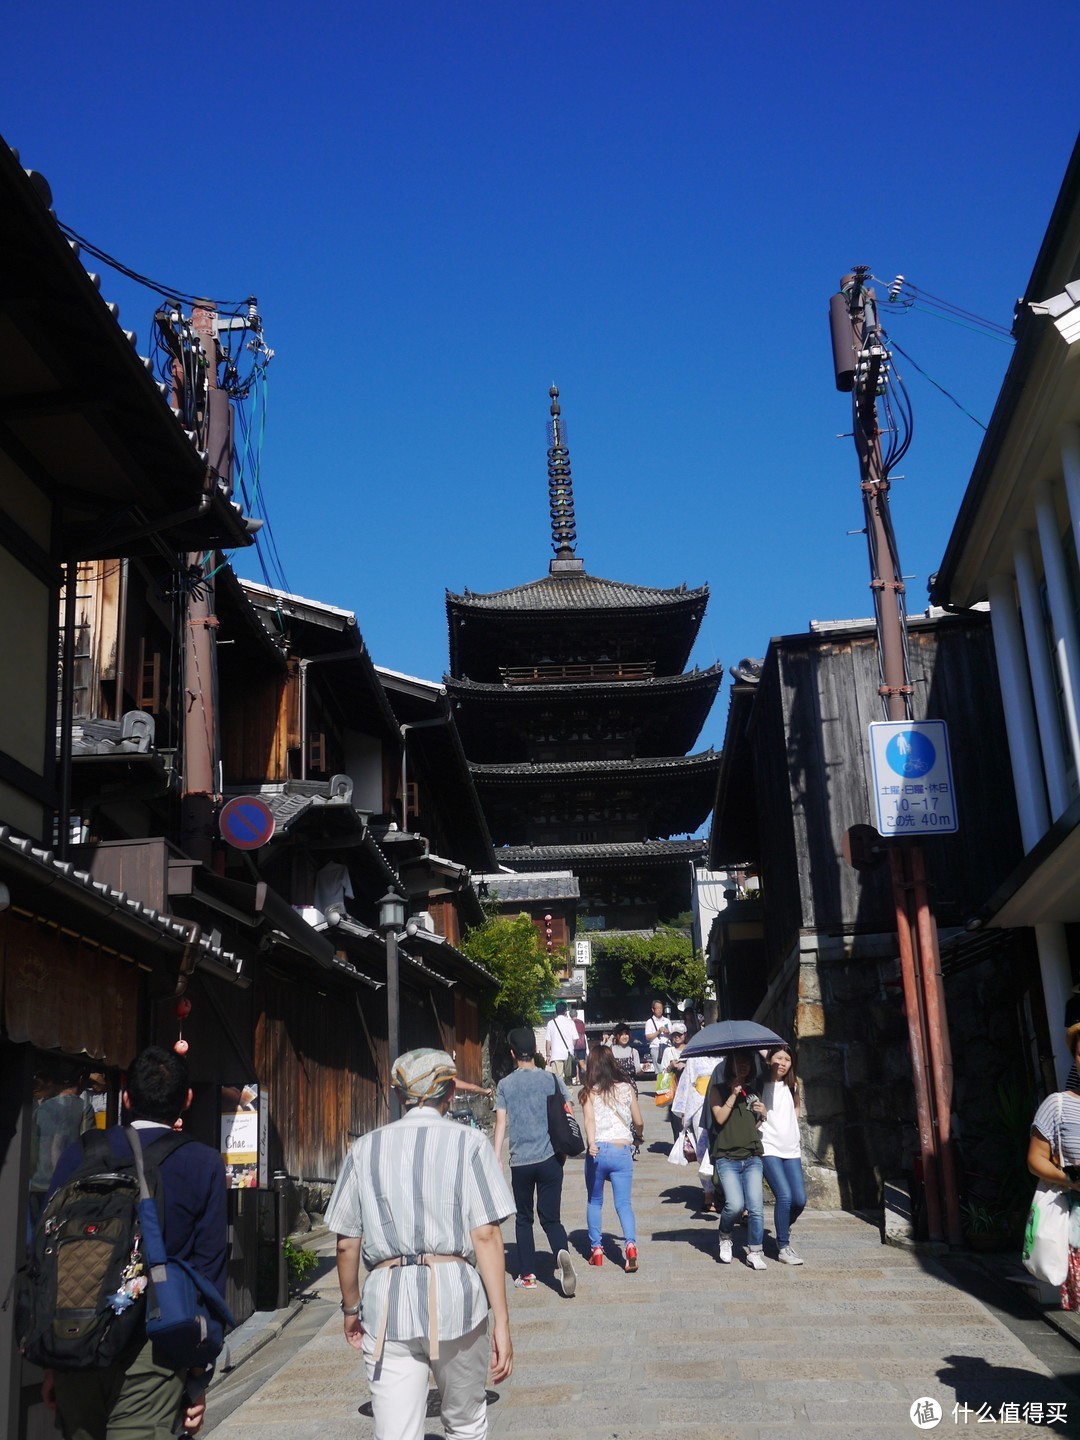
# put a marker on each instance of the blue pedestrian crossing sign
(912, 779)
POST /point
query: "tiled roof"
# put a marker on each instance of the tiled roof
(133, 734)
(576, 592)
(156, 921)
(290, 801)
(530, 857)
(512, 889)
(556, 768)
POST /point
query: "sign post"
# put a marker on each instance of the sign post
(912, 778)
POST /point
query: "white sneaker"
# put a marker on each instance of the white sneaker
(756, 1260)
(567, 1273)
(787, 1256)
(724, 1252)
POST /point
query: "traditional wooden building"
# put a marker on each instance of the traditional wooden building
(576, 712)
(92, 464)
(809, 946)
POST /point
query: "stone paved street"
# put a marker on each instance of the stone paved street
(692, 1349)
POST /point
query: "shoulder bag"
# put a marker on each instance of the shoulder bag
(563, 1129)
(1046, 1237)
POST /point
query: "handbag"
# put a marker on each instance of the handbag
(665, 1088)
(1046, 1235)
(563, 1129)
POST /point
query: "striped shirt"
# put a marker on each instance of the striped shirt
(1064, 1143)
(420, 1185)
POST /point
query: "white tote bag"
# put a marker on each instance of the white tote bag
(1046, 1238)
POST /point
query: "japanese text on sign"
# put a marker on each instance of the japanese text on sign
(911, 777)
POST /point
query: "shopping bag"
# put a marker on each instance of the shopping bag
(1046, 1237)
(677, 1155)
(665, 1087)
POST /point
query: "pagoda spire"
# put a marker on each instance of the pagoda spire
(561, 494)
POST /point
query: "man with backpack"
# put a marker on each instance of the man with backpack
(135, 1393)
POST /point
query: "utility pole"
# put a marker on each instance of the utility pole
(861, 359)
(200, 788)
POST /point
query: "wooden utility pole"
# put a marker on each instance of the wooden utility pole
(861, 359)
(201, 781)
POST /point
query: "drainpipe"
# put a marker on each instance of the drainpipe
(67, 713)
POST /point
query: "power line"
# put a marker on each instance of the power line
(936, 384)
(167, 292)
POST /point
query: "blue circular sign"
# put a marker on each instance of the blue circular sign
(246, 822)
(910, 754)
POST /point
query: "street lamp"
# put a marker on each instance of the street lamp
(391, 921)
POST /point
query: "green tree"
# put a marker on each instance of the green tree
(664, 962)
(511, 948)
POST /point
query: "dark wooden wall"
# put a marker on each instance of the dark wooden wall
(314, 1059)
(809, 735)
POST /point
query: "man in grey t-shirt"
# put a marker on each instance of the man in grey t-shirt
(521, 1110)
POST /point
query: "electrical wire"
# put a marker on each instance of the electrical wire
(937, 386)
(904, 296)
(167, 292)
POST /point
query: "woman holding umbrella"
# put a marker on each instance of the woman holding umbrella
(736, 1151)
(732, 1116)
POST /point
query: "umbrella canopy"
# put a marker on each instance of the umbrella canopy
(731, 1035)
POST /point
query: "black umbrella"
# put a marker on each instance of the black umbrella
(731, 1035)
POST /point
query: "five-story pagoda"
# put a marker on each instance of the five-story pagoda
(576, 714)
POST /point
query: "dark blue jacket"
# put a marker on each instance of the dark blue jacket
(193, 1178)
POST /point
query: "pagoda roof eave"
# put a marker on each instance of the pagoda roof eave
(651, 853)
(569, 770)
(709, 678)
(578, 594)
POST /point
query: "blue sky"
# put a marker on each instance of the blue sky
(445, 207)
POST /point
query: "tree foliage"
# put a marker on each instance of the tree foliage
(664, 962)
(510, 947)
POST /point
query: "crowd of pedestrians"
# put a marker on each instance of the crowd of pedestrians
(734, 1118)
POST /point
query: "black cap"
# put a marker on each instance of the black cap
(522, 1042)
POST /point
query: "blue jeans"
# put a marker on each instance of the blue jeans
(741, 1182)
(614, 1163)
(785, 1179)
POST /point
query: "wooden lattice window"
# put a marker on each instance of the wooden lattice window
(148, 680)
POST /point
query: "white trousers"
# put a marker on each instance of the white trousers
(399, 1385)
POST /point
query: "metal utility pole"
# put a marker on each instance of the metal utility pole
(861, 359)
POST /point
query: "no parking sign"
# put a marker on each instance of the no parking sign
(246, 822)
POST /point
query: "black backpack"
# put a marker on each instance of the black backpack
(82, 1290)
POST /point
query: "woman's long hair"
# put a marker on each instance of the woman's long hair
(724, 1073)
(789, 1078)
(602, 1073)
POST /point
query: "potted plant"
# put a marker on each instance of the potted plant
(988, 1226)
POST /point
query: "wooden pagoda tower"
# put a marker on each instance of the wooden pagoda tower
(576, 713)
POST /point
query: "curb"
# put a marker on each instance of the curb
(255, 1332)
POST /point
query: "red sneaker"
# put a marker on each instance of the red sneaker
(631, 1259)
(597, 1256)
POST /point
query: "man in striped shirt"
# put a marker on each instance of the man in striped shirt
(420, 1202)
